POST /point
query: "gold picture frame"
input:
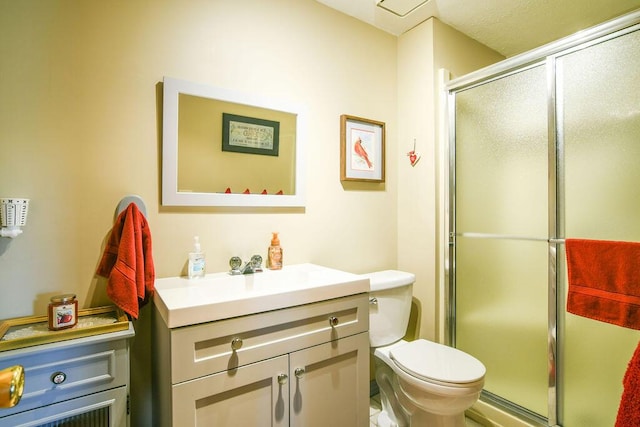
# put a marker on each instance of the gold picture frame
(362, 149)
(35, 329)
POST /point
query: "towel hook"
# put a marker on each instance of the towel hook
(127, 200)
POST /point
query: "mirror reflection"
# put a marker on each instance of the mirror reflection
(228, 149)
(205, 167)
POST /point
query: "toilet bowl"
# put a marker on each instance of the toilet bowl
(421, 383)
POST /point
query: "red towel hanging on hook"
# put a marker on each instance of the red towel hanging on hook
(128, 262)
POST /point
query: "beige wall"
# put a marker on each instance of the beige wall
(423, 51)
(79, 129)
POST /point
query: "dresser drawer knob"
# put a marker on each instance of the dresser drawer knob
(282, 379)
(236, 344)
(58, 378)
(333, 321)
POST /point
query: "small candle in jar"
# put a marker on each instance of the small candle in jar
(63, 312)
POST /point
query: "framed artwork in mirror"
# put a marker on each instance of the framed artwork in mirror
(362, 149)
(250, 135)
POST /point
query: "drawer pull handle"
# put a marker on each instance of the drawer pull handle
(236, 344)
(333, 321)
(282, 379)
(373, 300)
(299, 372)
(58, 377)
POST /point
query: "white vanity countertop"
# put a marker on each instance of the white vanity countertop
(182, 301)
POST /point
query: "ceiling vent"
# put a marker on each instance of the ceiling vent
(400, 7)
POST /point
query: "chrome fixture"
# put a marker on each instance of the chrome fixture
(250, 267)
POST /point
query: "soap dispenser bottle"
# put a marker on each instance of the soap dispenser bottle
(275, 254)
(196, 260)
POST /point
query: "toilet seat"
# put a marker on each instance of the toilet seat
(437, 363)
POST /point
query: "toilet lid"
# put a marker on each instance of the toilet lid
(432, 361)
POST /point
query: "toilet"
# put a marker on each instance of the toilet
(421, 383)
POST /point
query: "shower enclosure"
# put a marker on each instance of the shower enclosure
(544, 146)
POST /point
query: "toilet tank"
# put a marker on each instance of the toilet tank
(389, 306)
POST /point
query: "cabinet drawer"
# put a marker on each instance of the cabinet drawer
(107, 409)
(204, 349)
(85, 369)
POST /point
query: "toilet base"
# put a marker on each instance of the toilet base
(392, 414)
(384, 420)
(424, 419)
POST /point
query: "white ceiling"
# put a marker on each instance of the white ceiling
(509, 27)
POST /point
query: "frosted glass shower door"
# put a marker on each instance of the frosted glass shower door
(599, 91)
(501, 226)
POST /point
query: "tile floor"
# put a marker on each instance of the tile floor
(374, 409)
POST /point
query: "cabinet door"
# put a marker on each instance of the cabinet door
(329, 384)
(247, 396)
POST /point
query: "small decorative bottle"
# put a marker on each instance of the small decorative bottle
(275, 253)
(196, 260)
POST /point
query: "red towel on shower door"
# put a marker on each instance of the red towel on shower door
(604, 281)
(604, 284)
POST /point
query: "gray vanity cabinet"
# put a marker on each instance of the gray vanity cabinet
(306, 365)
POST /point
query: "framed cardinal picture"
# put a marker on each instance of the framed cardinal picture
(361, 149)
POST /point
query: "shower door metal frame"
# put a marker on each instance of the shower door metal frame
(552, 240)
(546, 54)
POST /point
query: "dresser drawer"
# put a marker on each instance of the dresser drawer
(107, 408)
(204, 349)
(78, 371)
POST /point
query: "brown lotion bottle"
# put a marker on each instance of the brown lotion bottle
(275, 253)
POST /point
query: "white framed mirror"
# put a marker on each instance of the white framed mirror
(225, 148)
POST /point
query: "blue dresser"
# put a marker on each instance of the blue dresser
(80, 381)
